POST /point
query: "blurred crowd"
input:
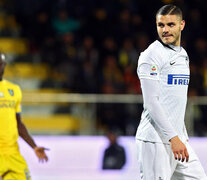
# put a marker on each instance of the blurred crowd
(94, 45)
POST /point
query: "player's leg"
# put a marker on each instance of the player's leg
(155, 161)
(191, 170)
(18, 169)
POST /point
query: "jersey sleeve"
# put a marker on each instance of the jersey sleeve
(19, 100)
(149, 65)
(152, 104)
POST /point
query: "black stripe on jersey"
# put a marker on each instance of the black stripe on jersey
(166, 45)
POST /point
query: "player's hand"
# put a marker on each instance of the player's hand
(179, 149)
(40, 153)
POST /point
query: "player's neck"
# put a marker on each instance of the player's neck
(177, 43)
(176, 48)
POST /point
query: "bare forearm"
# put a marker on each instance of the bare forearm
(39, 151)
(25, 135)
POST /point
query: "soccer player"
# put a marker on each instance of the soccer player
(12, 164)
(163, 69)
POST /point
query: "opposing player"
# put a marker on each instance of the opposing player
(12, 164)
(162, 141)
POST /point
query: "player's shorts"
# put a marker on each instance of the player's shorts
(157, 162)
(13, 167)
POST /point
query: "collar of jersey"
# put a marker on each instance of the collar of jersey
(174, 48)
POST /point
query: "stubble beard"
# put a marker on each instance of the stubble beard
(170, 42)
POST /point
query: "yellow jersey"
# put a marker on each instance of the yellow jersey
(10, 105)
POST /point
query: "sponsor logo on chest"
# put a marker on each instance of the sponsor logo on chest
(178, 79)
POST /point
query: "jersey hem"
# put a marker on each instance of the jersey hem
(151, 141)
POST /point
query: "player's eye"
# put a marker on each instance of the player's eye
(171, 24)
(160, 25)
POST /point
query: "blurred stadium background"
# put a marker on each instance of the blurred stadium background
(76, 64)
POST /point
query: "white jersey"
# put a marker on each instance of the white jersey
(170, 66)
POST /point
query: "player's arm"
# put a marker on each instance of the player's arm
(39, 151)
(151, 91)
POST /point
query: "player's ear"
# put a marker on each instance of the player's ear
(182, 24)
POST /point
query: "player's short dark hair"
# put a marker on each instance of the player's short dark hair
(170, 9)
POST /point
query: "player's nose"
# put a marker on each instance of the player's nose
(166, 29)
